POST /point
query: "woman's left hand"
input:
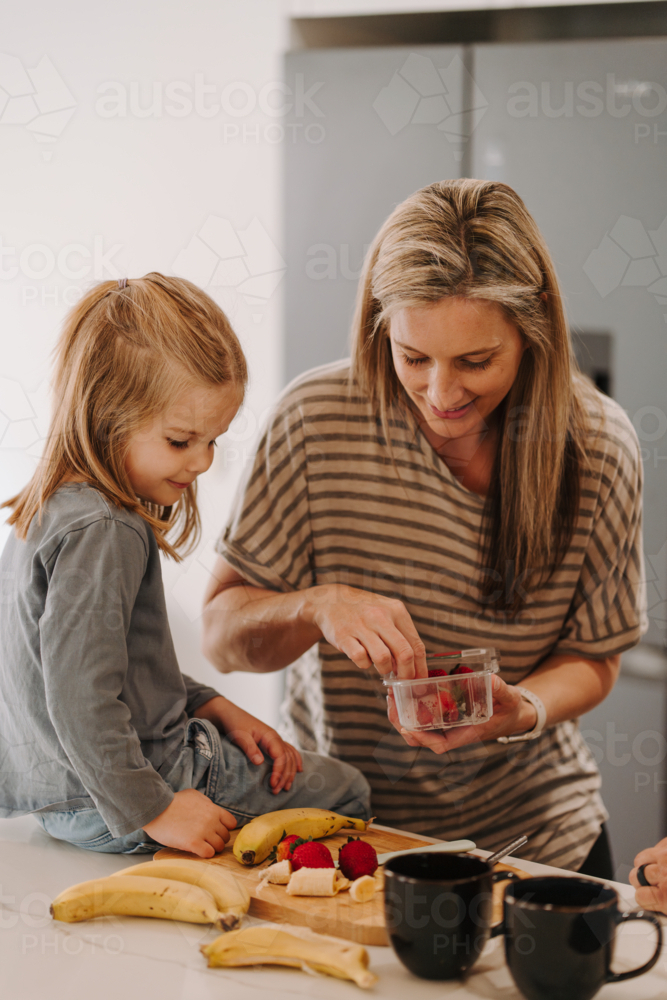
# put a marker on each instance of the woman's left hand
(654, 895)
(253, 736)
(511, 714)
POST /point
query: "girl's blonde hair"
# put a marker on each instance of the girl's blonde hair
(123, 355)
(477, 240)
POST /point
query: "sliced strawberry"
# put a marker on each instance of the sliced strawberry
(424, 714)
(450, 711)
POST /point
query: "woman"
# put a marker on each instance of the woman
(459, 485)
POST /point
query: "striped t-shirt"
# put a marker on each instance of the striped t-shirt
(328, 502)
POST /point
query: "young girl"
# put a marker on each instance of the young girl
(103, 738)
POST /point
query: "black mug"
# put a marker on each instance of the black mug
(559, 937)
(438, 911)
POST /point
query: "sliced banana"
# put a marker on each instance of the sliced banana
(363, 889)
(313, 882)
(278, 874)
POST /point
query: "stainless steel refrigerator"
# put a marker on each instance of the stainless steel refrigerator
(579, 129)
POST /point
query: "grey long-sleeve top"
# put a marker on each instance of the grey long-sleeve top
(93, 705)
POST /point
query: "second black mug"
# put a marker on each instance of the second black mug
(559, 937)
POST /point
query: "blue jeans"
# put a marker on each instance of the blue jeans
(219, 769)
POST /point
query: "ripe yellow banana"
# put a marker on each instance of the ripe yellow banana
(270, 945)
(258, 837)
(136, 896)
(231, 897)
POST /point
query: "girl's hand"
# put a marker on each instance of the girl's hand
(511, 714)
(250, 735)
(653, 896)
(191, 822)
(371, 630)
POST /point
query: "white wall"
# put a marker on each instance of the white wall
(82, 179)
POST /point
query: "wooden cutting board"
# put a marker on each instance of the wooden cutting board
(338, 915)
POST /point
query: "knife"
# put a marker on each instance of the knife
(446, 847)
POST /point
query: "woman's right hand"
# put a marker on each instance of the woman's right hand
(191, 822)
(373, 631)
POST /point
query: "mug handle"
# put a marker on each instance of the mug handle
(510, 877)
(618, 977)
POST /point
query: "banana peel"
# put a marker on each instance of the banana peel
(299, 947)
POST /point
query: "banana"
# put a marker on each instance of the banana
(313, 882)
(231, 898)
(300, 947)
(363, 889)
(341, 881)
(258, 837)
(278, 874)
(136, 896)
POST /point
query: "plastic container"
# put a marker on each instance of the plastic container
(459, 696)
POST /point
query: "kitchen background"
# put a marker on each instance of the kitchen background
(255, 147)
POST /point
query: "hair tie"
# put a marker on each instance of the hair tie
(122, 282)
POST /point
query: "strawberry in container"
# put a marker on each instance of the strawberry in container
(456, 693)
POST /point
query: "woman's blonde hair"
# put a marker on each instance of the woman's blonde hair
(123, 355)
(477, 240)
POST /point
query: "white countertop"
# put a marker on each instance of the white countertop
(128, 958)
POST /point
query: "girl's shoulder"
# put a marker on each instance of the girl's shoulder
(74, 507)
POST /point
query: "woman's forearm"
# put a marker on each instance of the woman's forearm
(252, 629)
(569, 686)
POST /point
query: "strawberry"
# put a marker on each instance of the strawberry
(310, 854)
(357, 858)
(450, 712)
(424, 714)
(437, 673)
(464, 689)
(286, 846)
